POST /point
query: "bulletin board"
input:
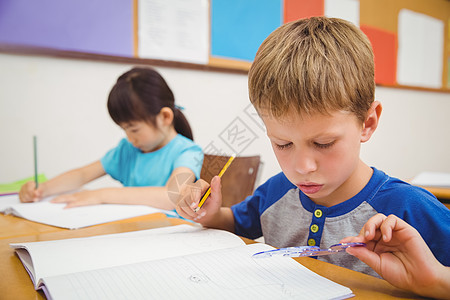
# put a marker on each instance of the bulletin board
(88, 26)
(410, 38)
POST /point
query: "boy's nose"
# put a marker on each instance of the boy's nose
(305, 163)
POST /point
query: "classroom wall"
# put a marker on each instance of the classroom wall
(63, 102)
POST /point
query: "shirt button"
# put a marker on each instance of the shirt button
(318, 213)
(314, 228)
(311, 242)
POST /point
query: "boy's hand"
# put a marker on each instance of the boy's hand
(192, 196)
(397, 252)
(82, 198)
(28, 193)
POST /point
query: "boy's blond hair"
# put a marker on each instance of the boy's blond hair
(313, 65)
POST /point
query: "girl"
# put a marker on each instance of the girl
(159, 146)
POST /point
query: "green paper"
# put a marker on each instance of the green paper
(14, 187)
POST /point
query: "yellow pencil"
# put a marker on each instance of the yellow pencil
(208, 192)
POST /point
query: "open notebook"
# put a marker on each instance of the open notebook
(179, 262)
(72, 218)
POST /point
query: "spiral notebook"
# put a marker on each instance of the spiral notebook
(178, 262)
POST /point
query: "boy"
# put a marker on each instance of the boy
(312, 82)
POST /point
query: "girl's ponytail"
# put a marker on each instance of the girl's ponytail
(181, 124)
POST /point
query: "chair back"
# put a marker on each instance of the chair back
(238, 181)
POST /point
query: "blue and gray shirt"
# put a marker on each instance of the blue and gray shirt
(286, 217)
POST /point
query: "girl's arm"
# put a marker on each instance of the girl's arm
(68, 181)
(165, 197)
(397, 252)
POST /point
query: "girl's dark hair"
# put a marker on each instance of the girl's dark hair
(139, 95)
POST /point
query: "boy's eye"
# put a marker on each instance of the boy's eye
(282, 147)
(324, 146)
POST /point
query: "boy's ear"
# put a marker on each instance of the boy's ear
(371, 122)
(165, 117)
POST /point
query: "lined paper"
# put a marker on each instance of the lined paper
(223, 274)
(52, 258)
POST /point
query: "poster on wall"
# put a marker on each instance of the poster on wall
(239, 27)
(343, 9)
(83, 26)
(420, 50)
(176, 30)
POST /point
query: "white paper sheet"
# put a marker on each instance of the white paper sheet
(344, 9)
(176, 30)
(434, 179)
(224, 274)
(420, 50)
(51, 258)
(72, 218)
(7, 201)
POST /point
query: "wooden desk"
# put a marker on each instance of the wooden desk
(439, 192)
(11, 226)
(15, 282)
(443, 194)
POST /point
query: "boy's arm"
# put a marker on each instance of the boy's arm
(211, 214)
(68, 181)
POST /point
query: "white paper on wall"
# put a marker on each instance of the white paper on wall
(343, 9)
(420, 50)
(176, 30)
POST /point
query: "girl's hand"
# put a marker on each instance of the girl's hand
(28, 193)
(192, 196)
(397, 252)
(82, 198)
